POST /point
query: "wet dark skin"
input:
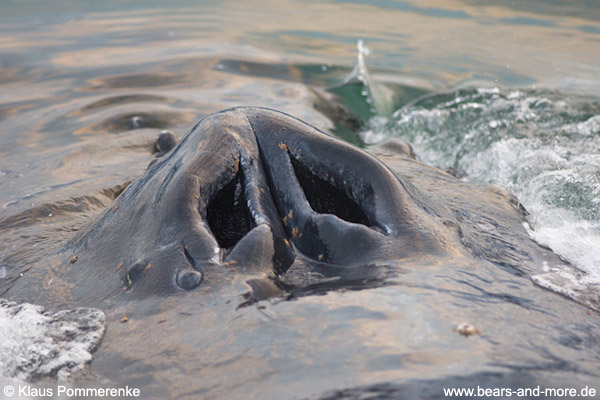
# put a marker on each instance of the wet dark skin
(253, 208)
(255, 189)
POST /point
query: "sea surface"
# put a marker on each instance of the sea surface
(502, 92)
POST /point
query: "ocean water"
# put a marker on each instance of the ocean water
(38, 343)
(502, 92)
(542, 146)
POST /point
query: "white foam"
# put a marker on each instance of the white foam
(577, 242)
(569, 283)
(540, 147)
(587, 128)
(36, 343)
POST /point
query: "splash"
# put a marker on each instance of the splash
(37, 343)
(543, 147)
(379, 98)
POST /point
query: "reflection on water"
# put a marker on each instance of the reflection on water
(86, 87)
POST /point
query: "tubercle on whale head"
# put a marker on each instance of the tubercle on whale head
(252, 189)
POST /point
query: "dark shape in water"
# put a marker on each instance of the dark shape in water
(257, 189)
(253, 204)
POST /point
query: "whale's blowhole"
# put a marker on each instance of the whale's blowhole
(325, 198)
(227, 214)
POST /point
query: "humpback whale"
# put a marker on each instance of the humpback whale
(261, 257)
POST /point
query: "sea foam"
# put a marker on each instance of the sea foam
(36, 343)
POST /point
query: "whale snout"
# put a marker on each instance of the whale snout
(256, 191)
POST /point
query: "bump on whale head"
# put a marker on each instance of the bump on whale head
(255, 197)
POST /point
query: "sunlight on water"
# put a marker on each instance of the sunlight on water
(87, 86)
